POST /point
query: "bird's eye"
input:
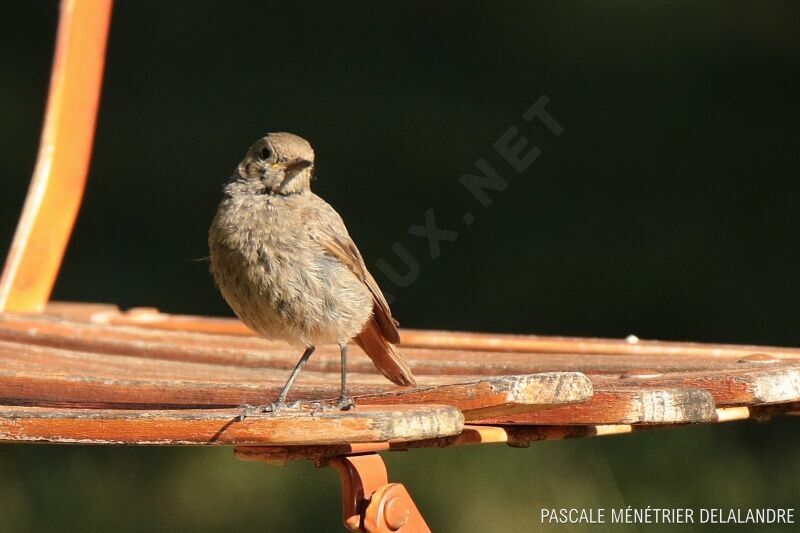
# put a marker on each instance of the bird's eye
(265, 153)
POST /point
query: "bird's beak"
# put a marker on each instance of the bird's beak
(297, 165)
(293, 170)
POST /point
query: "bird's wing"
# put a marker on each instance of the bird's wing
(331, 233)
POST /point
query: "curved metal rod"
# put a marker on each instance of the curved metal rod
(56, 189)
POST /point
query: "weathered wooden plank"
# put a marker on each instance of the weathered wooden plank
(502, 395)
(622, 406)
(739, 386)
(631, 345)
(141, 342)
(208, 426)
(744, 381)
(46, 376)
(84, 311)
(515, 436)
(732, 382)
(449, 340)
(256, 352)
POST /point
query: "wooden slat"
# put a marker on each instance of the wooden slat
(752, 385)
(622, 406)
(445, 340)
(207, 426)
(731, 381)
(628, 392)
(505, 395)
(582, 345)
(47, 360)
(42, 375)
(515, 436)
(34, 375)
(257, 352)
(82, 311)
(65, 150)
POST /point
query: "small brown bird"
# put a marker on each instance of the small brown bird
(286, 265)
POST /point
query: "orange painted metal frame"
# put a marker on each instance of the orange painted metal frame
(59, 179)
(370, 502)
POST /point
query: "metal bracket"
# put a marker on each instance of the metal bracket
(372, 504)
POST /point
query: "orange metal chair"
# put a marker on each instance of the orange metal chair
(91, 373)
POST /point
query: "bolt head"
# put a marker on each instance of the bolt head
(396, 513)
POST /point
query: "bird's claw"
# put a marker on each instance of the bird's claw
(245, 411)
(345, 403)
(279, 406)
(274, 407)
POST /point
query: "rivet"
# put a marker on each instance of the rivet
(396, 513)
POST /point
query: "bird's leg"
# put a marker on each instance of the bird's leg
(344, 403)
(280, 403)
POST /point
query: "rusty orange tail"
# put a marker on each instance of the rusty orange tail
(384, 354)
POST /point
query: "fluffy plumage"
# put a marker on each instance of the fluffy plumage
(285, 263)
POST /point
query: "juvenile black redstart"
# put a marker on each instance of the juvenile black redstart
(286, 265)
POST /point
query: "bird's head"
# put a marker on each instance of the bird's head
(278, 163)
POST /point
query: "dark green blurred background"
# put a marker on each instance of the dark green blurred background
(668, 209)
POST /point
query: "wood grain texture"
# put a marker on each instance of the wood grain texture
(448, 340)
(514, 436)
(211, 426)
(740, 385)
(732, 381)
(501, 395)
(257, 352)
(92, 361)
(42, 375)
(622, 406)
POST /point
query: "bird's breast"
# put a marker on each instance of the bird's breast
(279, 280)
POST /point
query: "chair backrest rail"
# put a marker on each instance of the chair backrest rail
(59, 178)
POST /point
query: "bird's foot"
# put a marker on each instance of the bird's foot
(280, 405)
(275, 407)
(245, 411)
(345, 403)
